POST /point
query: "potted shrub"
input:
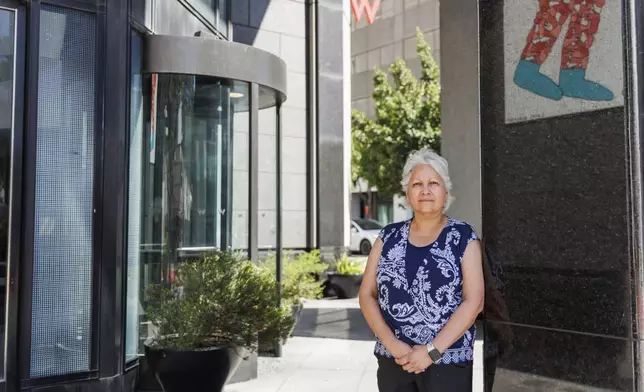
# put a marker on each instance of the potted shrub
(300, 281)
(347, 278)
(208, 320)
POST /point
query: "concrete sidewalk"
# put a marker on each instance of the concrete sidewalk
(316, 365)
(331, 350)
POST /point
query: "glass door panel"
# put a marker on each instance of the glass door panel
(7, 120)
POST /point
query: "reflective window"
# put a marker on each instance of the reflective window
(188, 190)
(141, 11)
(267, 176)
(137, 130)
(214, 11)
(222, 12)
(64, 203)
(7, 59)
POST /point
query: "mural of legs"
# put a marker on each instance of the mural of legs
(547, 26)
(585, 16)
(584, 24)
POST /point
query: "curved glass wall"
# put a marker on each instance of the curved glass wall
(267, 175)
(189, 179)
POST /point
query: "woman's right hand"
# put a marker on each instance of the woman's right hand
(399, 349)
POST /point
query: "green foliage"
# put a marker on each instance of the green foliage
(407, 118)
(345, 266)
(217, 300)
(298, 276)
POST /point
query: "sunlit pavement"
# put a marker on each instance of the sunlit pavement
(332, 350)
(316, 364)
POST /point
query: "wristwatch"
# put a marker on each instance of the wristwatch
(434, 354)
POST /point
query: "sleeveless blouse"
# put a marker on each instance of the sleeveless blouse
(419, 288)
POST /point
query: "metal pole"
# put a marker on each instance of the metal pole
(279, 252)
(311, 124)
(253, 197)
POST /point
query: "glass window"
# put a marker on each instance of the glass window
(267, 176)
(241, 171)
(188, 179)
(215, 12)
(64, 205)
(222, 20)
(141, 11)
(368, 224)
(137, 130)
(7, 59)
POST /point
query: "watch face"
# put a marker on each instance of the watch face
(435, 355)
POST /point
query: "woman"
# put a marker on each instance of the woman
(423, 288)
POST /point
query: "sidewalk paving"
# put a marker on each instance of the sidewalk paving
(316, 365)
(332, 350)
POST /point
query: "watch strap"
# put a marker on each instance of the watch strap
(434, 354)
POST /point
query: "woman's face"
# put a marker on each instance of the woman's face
(426, 192)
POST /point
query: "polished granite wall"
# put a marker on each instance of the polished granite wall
(555, 223)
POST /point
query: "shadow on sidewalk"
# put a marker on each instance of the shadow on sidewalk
(343, 323)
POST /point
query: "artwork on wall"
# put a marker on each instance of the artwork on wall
(561, 57)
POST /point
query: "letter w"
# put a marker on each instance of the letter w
(360, 6)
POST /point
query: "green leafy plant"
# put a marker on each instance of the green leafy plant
(407, 117)
(345, 266)
(219, 300)
(299, 276)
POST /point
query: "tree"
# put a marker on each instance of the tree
(407, 117)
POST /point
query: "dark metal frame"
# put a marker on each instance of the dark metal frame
(110, 131)
(312, 186)
(10, 381)
(253, 171)
(135, 28)
(213, 27)
(228, 176)
(116, 125)
(29, 180)
(278, 207)
(28, 186)
(633, 23)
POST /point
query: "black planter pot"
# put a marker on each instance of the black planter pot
(206, 370)
(345, 286)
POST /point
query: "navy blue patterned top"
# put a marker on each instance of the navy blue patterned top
(419, 288)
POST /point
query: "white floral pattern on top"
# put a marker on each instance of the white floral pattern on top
(417, 311)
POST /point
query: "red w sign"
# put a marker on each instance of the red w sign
(371, 9)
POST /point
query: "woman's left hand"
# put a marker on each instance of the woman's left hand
(416, 361)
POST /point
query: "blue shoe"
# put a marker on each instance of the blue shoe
(527, 76)
(573, 83)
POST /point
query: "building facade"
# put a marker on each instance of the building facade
(391, 36)
(137, 133)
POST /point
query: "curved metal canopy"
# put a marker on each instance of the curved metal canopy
(213, 57)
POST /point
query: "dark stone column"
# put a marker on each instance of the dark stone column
(556, 222)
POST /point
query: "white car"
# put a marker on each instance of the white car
(363, 235)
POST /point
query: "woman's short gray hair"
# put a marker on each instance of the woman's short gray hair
(427, 156)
